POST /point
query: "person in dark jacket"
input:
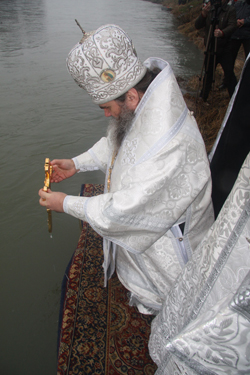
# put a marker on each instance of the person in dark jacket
(219, 20)
(242, 34)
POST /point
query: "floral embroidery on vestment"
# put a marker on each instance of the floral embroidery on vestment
(129, 151)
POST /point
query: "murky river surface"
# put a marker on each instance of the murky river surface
(45, 114)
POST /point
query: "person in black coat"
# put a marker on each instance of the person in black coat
(242, 34)
(219, 20)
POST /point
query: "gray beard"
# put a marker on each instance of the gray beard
(119, 128)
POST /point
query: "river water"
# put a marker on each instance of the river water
(45, 114)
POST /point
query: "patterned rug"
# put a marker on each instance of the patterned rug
(99, 333)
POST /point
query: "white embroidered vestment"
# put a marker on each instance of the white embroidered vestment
(161, 178)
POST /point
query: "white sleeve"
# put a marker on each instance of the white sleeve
(75, 206)
(95, 158)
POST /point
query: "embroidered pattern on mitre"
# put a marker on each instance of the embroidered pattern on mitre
(105, 64)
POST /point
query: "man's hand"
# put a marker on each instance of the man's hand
(62, 169)
(218, 33)
(52, 200)
(240, 22)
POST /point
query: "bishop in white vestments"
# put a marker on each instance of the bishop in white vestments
(156, 207)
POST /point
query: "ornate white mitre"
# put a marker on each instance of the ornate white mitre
(105, 63)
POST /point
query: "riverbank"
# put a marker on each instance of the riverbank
(209, 116)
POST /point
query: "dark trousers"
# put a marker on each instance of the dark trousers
(226, 61)
(235, 46)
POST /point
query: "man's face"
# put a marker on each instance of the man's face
(115, 108)
(111, 108)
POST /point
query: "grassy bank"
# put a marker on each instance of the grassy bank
(209, 116)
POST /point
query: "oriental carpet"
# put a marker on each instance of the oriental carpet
(99, 333)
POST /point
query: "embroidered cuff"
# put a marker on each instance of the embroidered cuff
(77, 165)
(75, 206)
(84, 163)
